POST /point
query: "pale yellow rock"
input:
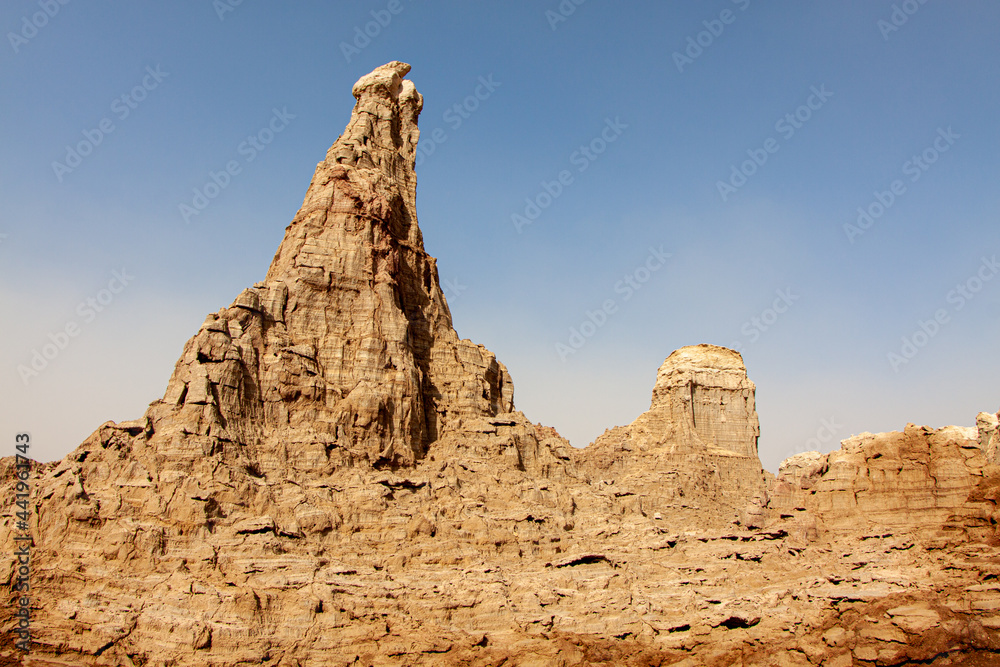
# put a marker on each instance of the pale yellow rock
(836, 636)
(694, 452)
(989, 436)
(917, 480)
(883, 632)
(915, 619)
(704, 391)
(867, 652)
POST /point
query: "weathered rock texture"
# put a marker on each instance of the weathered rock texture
(917, 481)
(692, 457)
(346, 351)
(703, 393)
(989, 436)
(334, 478)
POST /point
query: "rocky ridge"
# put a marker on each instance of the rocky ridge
(333, 477)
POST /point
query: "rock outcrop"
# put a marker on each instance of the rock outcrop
(989, 436)
(332, 477)
(704, 396)
(692, 457)
(346, 351)
(916, 482)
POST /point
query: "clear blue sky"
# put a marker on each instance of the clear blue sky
(676, 117)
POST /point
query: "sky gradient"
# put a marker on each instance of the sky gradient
(812, 184)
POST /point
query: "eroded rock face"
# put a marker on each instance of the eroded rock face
(989, 436)
(692, 457)
(917, 482)
(346, 351)
(334, 478)
(704, 391)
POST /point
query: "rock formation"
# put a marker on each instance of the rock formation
(989, 436)
(703, 401)
(917, 482)
(346, 351)
(692, 457)
(332, 477)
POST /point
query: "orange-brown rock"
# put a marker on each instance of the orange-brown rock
(346, 351)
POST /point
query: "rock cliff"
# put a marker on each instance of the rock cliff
(916, 482)
(989, 436)
(692, 457)
(332, 477)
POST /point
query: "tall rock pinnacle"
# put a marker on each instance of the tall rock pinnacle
(347, 346)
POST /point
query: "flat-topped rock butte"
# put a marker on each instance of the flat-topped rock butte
(333, 477)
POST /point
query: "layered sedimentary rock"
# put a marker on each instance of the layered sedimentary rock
(346, 351)
(692, 457)
(916, 482)
(704, 393)
(334, 478)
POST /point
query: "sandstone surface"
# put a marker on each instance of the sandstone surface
(333, 477)
(989, 436)
(918, 480)
(692, 457)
